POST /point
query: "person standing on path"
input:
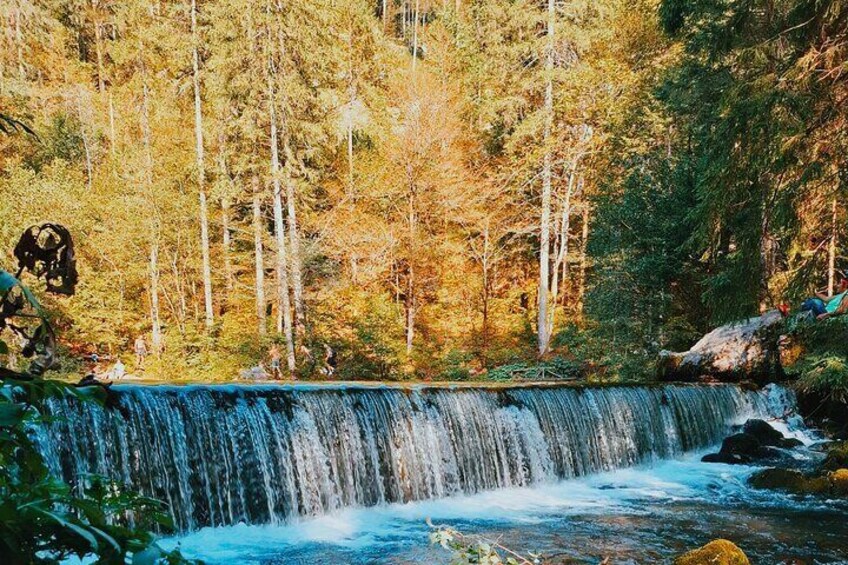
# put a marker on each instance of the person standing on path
(140, 349)
(276, 358)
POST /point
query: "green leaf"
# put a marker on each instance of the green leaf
(83, 533)
(109, 539)
(11, 414)
(4, 348)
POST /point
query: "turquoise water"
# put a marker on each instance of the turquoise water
(647, 514)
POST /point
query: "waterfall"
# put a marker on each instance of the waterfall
(225, 454)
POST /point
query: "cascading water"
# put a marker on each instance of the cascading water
(221, 455)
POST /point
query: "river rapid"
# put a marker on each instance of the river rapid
(646, 514)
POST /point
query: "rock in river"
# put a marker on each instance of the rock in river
(757, 443)
(717, 552)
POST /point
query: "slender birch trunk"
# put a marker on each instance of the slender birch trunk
(545, 223)
(350, 156)
(584, 242)
(226, 245)
(156, 326)
(98, 47)
(295, 264)
(86, 148)
(284, 317)
(19, 45)
(111, 126)
(351, 91)
(765, 260)
(410, 310)
(415, 36)
(294, 243)
(410, 302)
(561, 258)
(831, 248)
(259, 259)
(485, 267)
(201, 174)
(226, 236)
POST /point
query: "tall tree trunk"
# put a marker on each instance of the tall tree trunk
(226, 245)
(98, 46)
(284, 317)
(291, 205)
(226, 236)
(486, 294)
(155, 324)
(86, 148)
(19, 45)
(410, 309)
(415, 36)
(351, 90)
(410, 301)
(545, 223)
(584, 242)
(561, 257)
(111, 126)
(294, 239)
(201, 173)
(831, 248)
(766, 259)
(258, 256)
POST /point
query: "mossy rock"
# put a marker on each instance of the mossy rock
(790, 481)
(717, 552)
(839, 482)
(837, 457)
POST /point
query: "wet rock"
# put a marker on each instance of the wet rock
(743, 444)
(758, 442)
(763, 431)
(767, 435)
(789, 480)
(743, 448)
(834, 483)
(727, 458)
(717, 552)
(744, 350)
(839, 482)
(837, 457)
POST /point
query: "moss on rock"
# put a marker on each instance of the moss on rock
(837, 457)
(834, 483)
(789, 480)
(717, 552)
(839, 482)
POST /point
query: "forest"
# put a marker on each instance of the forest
(623, 222)
(432, 189)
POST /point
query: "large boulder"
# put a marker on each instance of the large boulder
(837, 457)
(717, 552)
(745, 350)
(789, 480)
(767, 435)
(839, 482)
(834, 483)
(758, 442)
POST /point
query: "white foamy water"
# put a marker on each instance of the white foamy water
(358, 534)
(224, 455)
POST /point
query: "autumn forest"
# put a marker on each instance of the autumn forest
(431, 189)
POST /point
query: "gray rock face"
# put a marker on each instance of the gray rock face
(737, 351)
